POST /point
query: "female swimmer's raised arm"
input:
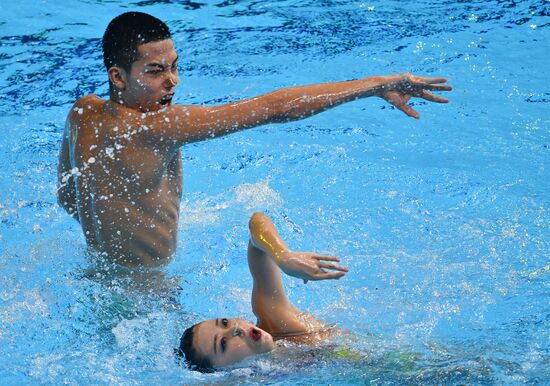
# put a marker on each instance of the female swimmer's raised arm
(267, 254)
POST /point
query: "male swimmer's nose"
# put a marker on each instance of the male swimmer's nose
(172, 82)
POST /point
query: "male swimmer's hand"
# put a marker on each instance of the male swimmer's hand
(310, 266)
(398, 89)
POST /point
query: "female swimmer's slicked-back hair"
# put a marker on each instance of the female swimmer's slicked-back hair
(125, 33)
(192, 358)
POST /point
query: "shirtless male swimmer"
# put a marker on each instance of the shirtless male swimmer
(120, 170)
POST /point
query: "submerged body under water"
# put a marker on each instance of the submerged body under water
(443, 222)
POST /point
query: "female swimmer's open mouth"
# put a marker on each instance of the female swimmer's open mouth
(255, 334)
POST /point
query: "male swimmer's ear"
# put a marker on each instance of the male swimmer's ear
(117, 76)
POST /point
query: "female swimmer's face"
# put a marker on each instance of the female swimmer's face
(227, 341)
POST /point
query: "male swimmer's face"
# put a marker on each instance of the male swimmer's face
(153, 76)
(227, 341)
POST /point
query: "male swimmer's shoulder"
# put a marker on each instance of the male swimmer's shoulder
(84, 107)
(89, 101)
(85, 103)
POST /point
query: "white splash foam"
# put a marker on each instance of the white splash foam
(127, 332)
(46, 366)
(32, 302)
(200, 212)
(259, 195)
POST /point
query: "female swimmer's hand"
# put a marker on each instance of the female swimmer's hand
(398, 89)
(310, 266)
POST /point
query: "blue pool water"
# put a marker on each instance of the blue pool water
(443, 222)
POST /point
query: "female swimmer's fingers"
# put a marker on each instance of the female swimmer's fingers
(333, 266)
(328, 258)
(431, 97)
(329, 275)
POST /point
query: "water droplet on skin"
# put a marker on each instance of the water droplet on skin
(109, 151)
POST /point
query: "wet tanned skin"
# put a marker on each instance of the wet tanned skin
(224, 341)
(128, 199)
(120, 172)
(128, 193)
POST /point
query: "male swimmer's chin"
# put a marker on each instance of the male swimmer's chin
(153, 108)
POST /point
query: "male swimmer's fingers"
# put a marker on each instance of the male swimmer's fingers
(333, 266)
(408, 110)
(440, 87)
(434, 87)
(432, 80)
(433, 98)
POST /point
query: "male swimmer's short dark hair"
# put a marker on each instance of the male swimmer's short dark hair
(192, 358)
(125, 33)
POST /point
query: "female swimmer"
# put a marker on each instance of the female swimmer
(220, 342)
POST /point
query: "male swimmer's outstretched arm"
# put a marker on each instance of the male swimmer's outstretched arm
(183, 124)
(267, 255)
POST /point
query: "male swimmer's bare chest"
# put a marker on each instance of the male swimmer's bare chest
(130, 191)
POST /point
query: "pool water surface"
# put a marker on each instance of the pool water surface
(443, 222)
